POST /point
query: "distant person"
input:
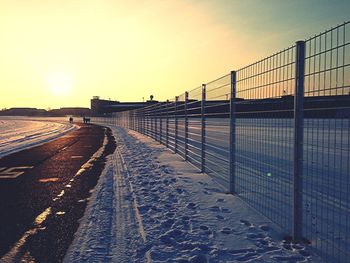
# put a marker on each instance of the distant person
(86, 120)
(70, 119)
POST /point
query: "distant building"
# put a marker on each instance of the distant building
(101, 106)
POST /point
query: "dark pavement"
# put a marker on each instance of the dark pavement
(42, 198)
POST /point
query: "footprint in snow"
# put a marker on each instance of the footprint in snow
(264, 227)
(220, 217)
(192, 206)
(167, 223)
(212, 189)
(179, 190)
(156, 209)
(185, 179)
(256, 236)
(225, 210)
(185, 218)
(168, 205)
(226, 230)
(215, 208)
(170, 214)
(245, 222)
(143, 209)
(204, 228)
(155, 197)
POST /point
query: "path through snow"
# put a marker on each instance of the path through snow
(150, 205)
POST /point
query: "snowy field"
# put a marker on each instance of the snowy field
(151, 206)
(19, 133)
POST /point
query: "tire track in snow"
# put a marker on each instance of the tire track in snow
(111, 229)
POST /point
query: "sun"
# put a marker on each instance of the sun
(59, 83)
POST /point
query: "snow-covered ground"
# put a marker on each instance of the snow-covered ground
(17, 134)
(149, 205)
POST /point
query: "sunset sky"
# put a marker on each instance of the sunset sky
(61, 53)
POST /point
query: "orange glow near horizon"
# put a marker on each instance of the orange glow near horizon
(61, 53)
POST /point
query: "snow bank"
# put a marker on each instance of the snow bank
(19, 134)
(150, 205)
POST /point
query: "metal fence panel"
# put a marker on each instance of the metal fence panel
(326, 183)
(264, 136)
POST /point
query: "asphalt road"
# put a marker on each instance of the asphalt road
(42, 197)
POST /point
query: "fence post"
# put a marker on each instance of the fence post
(156, 123)
(203, 128)
(131, 113)
(176, 121)
(145, 126)
(232, 181)
(298, 139)
(152, 123)
(167, 124)
(143, 121)
(149, 122)
(161, 122)
(146, 122)
(129, 119)
(154, 120)
(137, 120)
(186, 126)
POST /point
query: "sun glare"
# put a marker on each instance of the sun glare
(59, 83)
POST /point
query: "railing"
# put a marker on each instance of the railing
(276, 133)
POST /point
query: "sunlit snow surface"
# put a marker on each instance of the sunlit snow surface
(151, 206)
(17, 134)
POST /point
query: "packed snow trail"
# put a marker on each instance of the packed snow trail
(108, 230)
(150, 205)
(19, 134)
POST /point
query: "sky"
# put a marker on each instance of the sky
(61, 53)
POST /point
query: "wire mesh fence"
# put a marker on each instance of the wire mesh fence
(264, 135)
(326, 177)
(276, 133)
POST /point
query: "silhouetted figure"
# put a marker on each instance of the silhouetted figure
(86, 120)
(70, 119)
